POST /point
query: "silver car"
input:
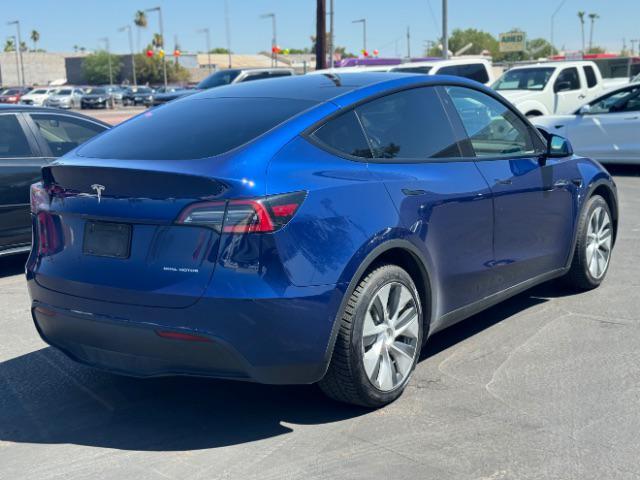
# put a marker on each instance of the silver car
(65, 97)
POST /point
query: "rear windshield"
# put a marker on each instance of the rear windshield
(194, 128)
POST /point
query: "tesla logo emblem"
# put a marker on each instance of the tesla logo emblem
(96, 187)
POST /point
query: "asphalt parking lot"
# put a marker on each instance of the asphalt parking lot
(544, 386)
(115, 115)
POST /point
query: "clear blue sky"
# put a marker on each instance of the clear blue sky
(64, 23)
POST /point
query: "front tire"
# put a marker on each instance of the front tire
(594, 245)
(379, 340)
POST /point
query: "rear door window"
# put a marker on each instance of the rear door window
(345, 135)
(590, 75)
(569, 79)
(63, 133)
(411, 124)
(13, 141)
(193, 128)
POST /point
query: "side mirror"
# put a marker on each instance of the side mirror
(584, 110)
(558, 147)
(562, 87)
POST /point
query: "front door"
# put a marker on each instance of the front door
(533, 203)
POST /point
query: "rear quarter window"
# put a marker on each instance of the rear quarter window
(193, 128)
(345, 135)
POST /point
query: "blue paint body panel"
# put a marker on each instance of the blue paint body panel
(265, 306)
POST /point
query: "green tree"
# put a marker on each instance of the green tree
(9, 45)
(157, 41)
(35, 38)
(219, 50)
(596, 49)
(459, 38)
(96, 68)
(343, 52)
(149, 70)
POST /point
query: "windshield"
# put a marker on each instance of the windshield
(525, 79)
(194, 128)
(423, 69)
(64, 92)
(142, 90)
(38, 92)
(96, 91)
(218, 79)
(11, 91)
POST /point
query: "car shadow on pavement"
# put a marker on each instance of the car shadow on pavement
(12, 264)
(46, 398)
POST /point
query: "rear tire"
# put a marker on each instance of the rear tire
(378, 345)
(594, 245)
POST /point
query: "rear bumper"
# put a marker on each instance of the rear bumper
(275, 341)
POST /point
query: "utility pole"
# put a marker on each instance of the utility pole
(321, 34)
(106, 43)
(633, 46)
(332, 45)
(19, 49)
(274, 38)
(208, 39)
(17, 60)
(445, 32)
(553, 19)
(164, 60)
(133, 60)
(227, 29)
(408, 42)
(363, 21)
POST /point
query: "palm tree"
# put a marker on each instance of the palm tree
(23, 46)
(581, 17)
(76, 48)
(140, 21)
(35, 38)
(592, 17)
(9, 45)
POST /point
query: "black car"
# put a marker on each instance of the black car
(163, 95)
(96, 98)
(30, 138)
(225, 77)
(137, 96)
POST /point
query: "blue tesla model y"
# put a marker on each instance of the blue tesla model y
(307, 229)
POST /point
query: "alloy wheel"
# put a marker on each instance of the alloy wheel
(390, 336)
(599, 240)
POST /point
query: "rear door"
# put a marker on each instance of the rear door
(442, 198)
(533, 203)
(610, 130)
(570, 91)
(20, 163)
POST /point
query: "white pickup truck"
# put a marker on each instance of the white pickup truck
(552, 88)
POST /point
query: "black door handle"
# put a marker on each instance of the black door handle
(410, 192)
(504, 181)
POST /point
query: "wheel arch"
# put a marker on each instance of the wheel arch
(406, 255)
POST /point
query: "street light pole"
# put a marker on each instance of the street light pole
(363, 21)
(19, 48)
(106, 42)
(553, 18)
(445, 29)
(17, 60)
(228, 29)
(274, 40)
(133, 60)
(164, 59)
(206, 32)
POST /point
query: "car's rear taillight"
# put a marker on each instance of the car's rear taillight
(48, 231)
(39, 198)
(256, 215)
